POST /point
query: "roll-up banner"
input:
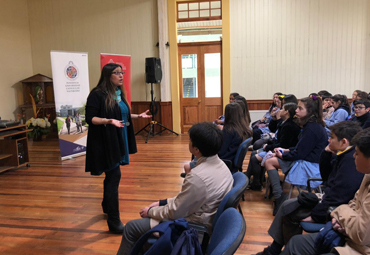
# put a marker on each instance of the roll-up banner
(71, 88)
(125, 62)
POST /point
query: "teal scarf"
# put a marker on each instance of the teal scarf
(118, 95)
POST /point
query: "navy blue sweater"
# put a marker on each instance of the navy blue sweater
(341, 181)
(311, 142)
(230, 145)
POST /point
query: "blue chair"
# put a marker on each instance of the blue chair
(237, 163)
(231, 199)
(228, 233)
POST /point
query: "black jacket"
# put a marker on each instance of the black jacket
(341, 181)
(363, 120)
(230, 144)
(105, 147)
(286, 137)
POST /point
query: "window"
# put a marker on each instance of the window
(200, 10)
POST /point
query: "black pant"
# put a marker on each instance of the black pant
(110, 200)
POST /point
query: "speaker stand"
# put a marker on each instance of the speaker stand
(152, 123)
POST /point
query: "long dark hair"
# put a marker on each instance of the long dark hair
(235, 121)
(314, 111)
(106, 86)
(244, 106)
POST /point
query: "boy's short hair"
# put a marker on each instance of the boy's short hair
(345, 129)
(362, 95)
(362, 142)
(207, 137)
(365, 102)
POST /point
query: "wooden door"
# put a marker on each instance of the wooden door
(200, 83)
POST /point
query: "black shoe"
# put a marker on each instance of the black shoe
(278, 202)
(183, 175)
(266, 251)
(115, 226)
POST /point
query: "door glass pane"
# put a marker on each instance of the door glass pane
(189, 75)
(212, 67)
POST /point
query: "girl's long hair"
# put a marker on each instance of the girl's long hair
(244, 105)
(314, 111)
(106, 86)
(235, 121)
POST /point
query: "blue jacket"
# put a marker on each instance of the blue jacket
(311, 142)
(338, 115)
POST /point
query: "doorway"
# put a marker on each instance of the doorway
(200, 81)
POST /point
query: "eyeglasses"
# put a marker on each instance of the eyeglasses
(118, 73)
(359, 107)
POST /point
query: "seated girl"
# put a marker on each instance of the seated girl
(305, 155)
(235, 131)
(261, 126)
(341, 110)
(286, 136)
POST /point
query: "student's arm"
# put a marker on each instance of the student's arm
(326, 165)
(188, 201)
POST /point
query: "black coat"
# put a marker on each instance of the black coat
(286, 137)
(105, 147)
(341, 181)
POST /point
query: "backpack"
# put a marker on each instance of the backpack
(169, 232)
(187, 244)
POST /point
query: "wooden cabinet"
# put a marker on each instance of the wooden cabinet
(13, 147)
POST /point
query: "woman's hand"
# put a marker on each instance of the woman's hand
(144, 115)
(117, 123)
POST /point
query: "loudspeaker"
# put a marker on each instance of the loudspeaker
(153, 70)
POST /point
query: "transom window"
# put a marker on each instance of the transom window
(199, 10)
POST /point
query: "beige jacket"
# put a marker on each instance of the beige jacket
(201, 193)
(355, 218)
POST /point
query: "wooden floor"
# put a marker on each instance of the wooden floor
(53, 207)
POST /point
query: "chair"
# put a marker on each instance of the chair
(237, 163)
(231, 199)
(228, 233)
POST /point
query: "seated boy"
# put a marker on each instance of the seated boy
(202, 191)
(341, 181)
(352, 219)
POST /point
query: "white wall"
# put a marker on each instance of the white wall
(15, 55)
(298, 47)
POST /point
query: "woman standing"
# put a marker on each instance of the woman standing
(110, 137)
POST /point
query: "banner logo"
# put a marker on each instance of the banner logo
(71, 71)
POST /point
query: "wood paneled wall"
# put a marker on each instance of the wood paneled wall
(163, 116)
(298, 47)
